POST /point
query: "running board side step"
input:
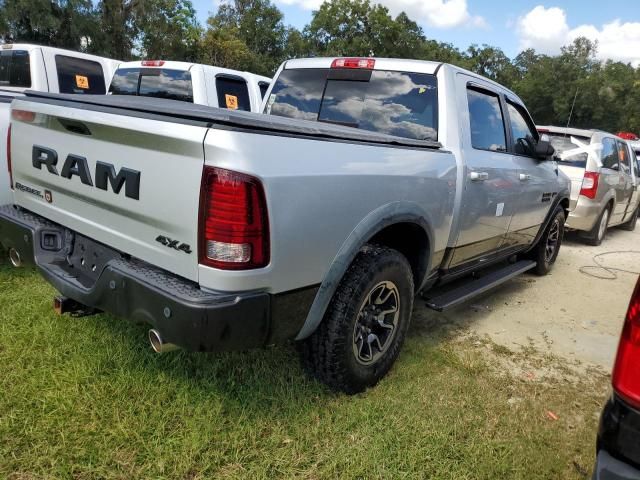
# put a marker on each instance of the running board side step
(455, 297)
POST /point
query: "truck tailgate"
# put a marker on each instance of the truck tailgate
(131, 183)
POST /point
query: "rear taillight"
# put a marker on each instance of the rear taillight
(590, 185)
(152, 63)
(364, 63)
(626, 373)
(9, 156)
(234, 226)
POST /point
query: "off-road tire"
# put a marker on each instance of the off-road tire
(328, 354)
(541, 254)
(630, 225)
(596, 236)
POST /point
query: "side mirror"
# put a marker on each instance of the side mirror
(543, 150)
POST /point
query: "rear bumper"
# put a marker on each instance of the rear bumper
(584, 215)
(183, 313)
(618, 442)
(609, 468)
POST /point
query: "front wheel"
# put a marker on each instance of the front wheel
(363, 330)
(548, 247)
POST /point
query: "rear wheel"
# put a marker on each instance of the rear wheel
(363, 330)
(546, 252)
(599, 230)
(630, 225)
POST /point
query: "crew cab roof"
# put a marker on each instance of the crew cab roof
(29, 47)
(186, 66)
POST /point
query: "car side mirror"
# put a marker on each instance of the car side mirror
(544, 150)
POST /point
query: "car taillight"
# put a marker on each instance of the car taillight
(234, 225)
(364, 63)
(152, 63)
(626, 377)
(9, 157)
(590, 185)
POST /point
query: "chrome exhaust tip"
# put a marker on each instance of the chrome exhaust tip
(14, 257)
(158, 345)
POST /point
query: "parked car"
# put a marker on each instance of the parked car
(45, 69)
(618, 445)
(191, 82)
(603, 181)
(232, 230)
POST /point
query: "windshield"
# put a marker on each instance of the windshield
(153, 82)
(569, 149)
(15, 70)
(394, 103)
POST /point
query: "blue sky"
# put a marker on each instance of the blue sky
(511, 25)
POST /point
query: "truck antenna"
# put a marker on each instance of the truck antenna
(572, 105)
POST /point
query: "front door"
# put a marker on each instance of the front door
(491, 186)
(538, 178)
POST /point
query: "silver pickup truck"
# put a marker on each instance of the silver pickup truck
(368, 181)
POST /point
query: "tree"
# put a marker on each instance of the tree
(357, 28)
(253, 26)
(168, 29)
(61, 23)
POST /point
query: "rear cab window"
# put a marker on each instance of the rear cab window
(570, 149)
(15, 68)
(233, 93)
(79, 76)
(402, 104)
(153, 82)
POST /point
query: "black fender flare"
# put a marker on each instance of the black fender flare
(374, 222)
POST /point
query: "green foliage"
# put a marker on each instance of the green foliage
(254, 32)
(251, 35)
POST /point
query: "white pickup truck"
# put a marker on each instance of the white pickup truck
(45, 69)
(191, 82)
(370, 180)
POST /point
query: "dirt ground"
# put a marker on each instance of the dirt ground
(568, 314)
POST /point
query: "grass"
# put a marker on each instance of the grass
(87, 398)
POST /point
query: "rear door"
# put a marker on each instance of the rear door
(626, 176)
(614, 178)
(120, 180)
(492, 186)
(538, 178)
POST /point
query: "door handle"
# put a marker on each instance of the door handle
(478, 176)
(524, 177)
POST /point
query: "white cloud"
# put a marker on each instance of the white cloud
(547, 30)
(435, 13)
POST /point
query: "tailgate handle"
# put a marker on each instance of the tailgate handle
(75, 126)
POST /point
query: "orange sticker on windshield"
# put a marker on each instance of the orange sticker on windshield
(232, 101)
(82, 81)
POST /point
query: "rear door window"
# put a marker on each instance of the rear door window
(15, 68)
(233, 93)
(609, 154)
(570, 149)
(623, 157)
(78, 75)
(153, 82)
(394, 103)
(486, 121)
